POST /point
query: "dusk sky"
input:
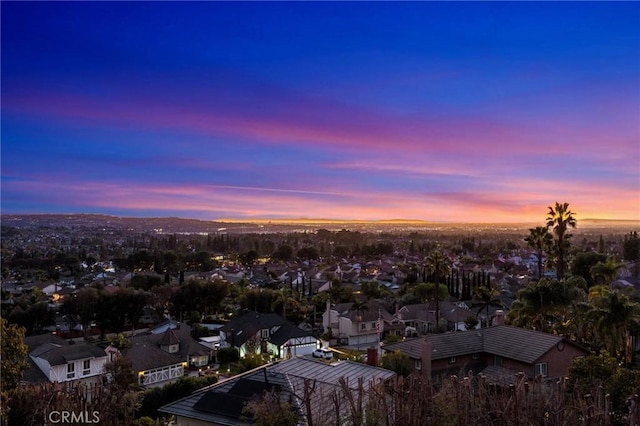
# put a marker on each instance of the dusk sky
(461, 112)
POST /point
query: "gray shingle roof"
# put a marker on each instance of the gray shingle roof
(250, 323)
(59, 355)
(289, 375)
(145, 352)
(510, 342)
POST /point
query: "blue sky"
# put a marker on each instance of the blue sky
(479, 111)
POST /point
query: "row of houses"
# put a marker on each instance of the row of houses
(167, 351)
(313, 388)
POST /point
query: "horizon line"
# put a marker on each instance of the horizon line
(262, 220)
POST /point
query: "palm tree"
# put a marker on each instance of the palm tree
(613, 316)
(605, 273)
(483, 297)
(439, 266)
(544, 304)
(560, 219)
(287, 299)
(540, 239)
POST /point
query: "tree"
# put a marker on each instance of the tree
(614, 316)
(426, 292)
(249, 362)
(583, 263)
(284, 299)
(560, 218)
(121, 375)
(271, 410)
(398, 362)
(308, 253)
(593, 371)
(540, 239)
(484, 297)
(154, 398)
(544, 304)
(439, 266)
(631, 246)
(284, 253)
(13, 360)
(605, 272)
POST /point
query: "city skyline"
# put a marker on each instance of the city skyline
(458, 112)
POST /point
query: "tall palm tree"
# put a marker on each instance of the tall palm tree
(438, 265)
(540, 239)
(560, 218)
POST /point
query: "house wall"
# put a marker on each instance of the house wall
(58, 373)
(463, 362)
(558, 362)
(157, 375)
(560, 358)
(44, 366)
(299, 346)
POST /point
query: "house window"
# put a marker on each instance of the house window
(86, 367)
(475, 356)
(541, 369)
(363, 326)
(373, 326)
(497, 361)
(452, 360)
(418, 364)
(71, 370)
(265, 333)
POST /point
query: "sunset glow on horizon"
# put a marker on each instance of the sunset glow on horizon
(434, 111)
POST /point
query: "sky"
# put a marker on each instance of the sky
(435, 111)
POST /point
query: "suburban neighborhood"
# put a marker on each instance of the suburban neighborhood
(302, 327)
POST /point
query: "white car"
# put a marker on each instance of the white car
(323, 353)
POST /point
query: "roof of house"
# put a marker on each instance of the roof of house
(222, 403)
(373, 311)
(510, 342)
(285, 332)
(33, 342)
(145, 352)
(250, 323)
(56, 354)
(169, 338)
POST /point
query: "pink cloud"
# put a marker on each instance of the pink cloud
(213, 201)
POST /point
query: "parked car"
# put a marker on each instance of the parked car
(323, 353)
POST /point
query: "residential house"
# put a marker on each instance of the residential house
(421, 318)
(267, 334)
(52, 359)
(223, 402)
(356, 328)
(499, 352)
(165, 353)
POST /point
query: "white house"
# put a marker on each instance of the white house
(269, 334)
(69, 362)
(356, 328)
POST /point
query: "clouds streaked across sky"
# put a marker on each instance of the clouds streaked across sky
(466, 112)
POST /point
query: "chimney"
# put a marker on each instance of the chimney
(499, 318)
(425, 357)
(372, 357)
